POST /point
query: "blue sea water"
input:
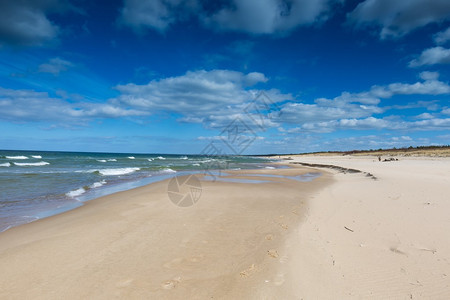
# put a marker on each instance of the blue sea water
(36, 184)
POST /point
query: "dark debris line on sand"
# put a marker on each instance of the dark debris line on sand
(338, 168)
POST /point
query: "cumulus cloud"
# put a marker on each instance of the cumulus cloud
(269, 16)
(26, 22)
(29, 105)
(251, 16)
(372, 123)
(442, 37)
(397, 18)
(214, 98)
(357, 110)
(193, 92)
(431, 56)
(55, 66)
(156, 14)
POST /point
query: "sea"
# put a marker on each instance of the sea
(38, 184)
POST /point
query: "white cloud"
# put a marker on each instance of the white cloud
(432, 56)
(55, 66)
(268, 16)
(250, 16)
(357, 110)
(193, 93)
(427, 75)
(399, 17)
(156, 14)
(372, 123)
(425, 116)
(214, 98)
(442, 37)
(29, 105)
(26, 22)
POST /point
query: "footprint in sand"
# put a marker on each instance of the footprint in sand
(168, 285)
(249, 271)
(284, 259)
(279, 279)
(284, 226)
(171, 284)
(272, 253)
(269, 237)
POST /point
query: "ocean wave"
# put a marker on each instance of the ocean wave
(168, 170)
(38, 164)
(268, 167)
(101, 160)
(197, 165)
(160, 157)
(118, 171)
(131, 157)
(36, 156)
(16, 157)
(76, 193)
(150, 159)
(184, 157)
(112, 159)
(5, 165)
(82, 190)
(97, 184)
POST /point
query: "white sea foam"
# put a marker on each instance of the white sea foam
(168, 170)
(38, 164)
(118, 171)
(36, 156)
(97, 184)
(101, 160)
(131, 157)
(184, 157)
(16, 157)
(150, 159)
(197, 165)
(271, 168)
(76, 193)
(112, 159)
(5, 165)
(160, 157)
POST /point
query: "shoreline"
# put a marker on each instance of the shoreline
(137, 243)
(89, 194)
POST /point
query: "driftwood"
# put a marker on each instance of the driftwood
(348, 229)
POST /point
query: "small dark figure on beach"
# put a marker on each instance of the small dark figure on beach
(379, 158)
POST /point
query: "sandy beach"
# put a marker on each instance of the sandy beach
(343, 235)
(137, 244)
(381, 239)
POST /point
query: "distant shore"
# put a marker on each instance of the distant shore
(422, 151)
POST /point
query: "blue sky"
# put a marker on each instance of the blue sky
(174, 76)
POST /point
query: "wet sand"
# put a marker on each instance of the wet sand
(137, 244)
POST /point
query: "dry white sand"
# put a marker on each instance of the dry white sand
(383, 239)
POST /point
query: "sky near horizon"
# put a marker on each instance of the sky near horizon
(174, 76)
